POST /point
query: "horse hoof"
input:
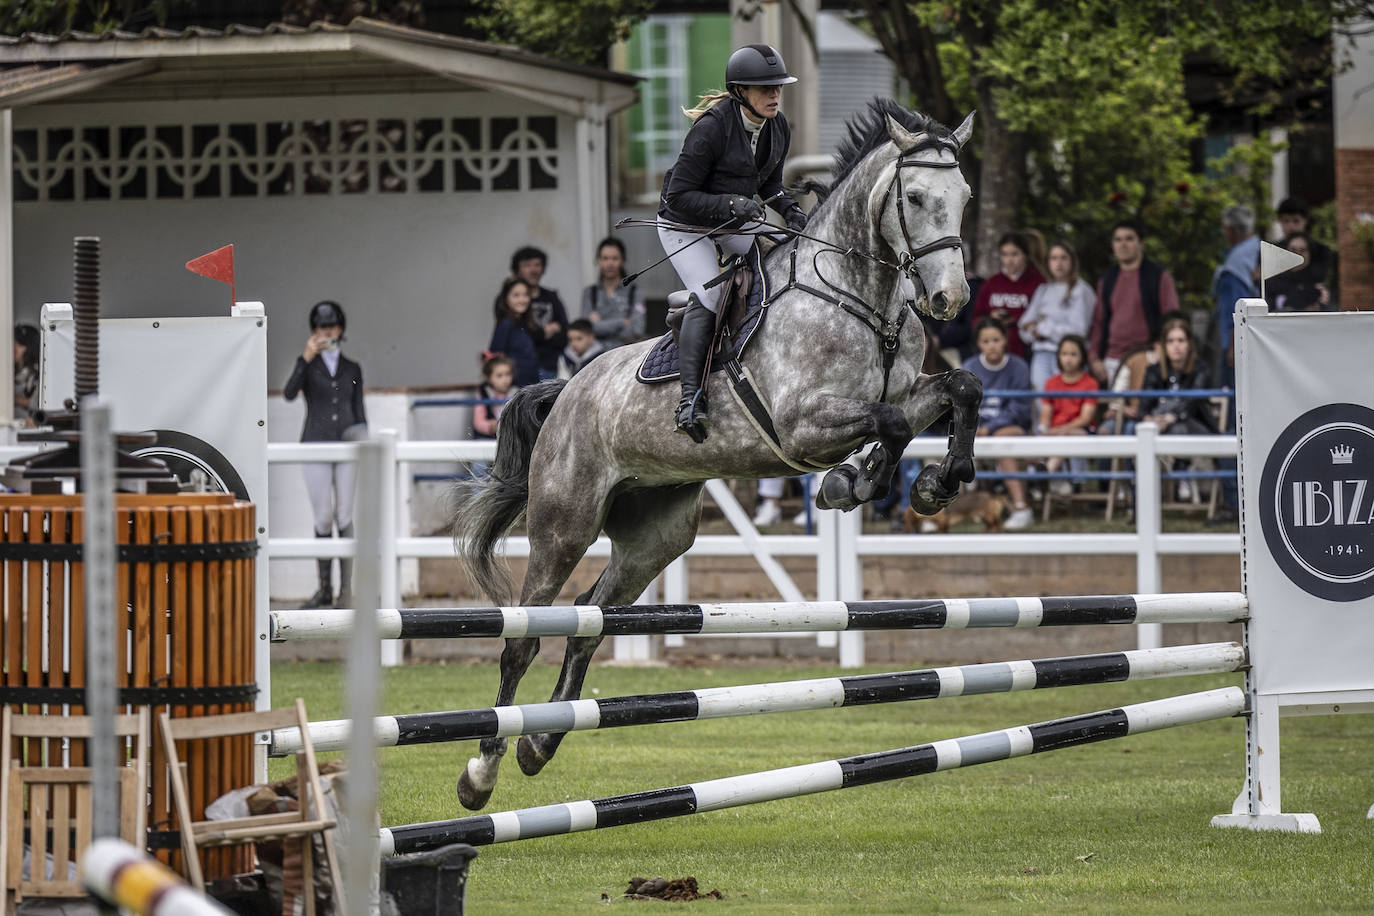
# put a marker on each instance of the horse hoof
(928, 494)
(530, 760)
(471, 797)
(837, 489)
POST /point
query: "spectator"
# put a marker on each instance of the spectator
(582, 348)
(616, 312)
(1006, 294)
(1234, 279)
(1179, 369)
(1061, 306)
(1300, 290)
(333, 386)
(1132, 297)
(516, 331)
(998, 416)
(1068, 416)
(498, 384)
(1295, 217)
(550, 317)
(26, 347)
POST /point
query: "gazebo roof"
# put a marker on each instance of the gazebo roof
(365, 55)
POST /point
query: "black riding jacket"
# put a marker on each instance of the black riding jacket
(717, 165)
(332, 402)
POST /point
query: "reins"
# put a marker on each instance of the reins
(888, 331)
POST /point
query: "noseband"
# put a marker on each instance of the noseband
(906, 261)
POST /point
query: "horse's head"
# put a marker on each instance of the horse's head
(918, 208)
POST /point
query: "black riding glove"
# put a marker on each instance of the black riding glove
(796, 219)
(747, 208)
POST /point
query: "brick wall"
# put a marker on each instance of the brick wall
(1354, 195)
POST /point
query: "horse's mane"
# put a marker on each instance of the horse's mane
(867, 130)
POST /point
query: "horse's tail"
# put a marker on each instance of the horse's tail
(484, 509)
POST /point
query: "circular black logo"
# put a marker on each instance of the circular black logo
(1317, 502)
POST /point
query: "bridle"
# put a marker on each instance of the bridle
(906, 261)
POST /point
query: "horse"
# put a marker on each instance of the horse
(838, 367)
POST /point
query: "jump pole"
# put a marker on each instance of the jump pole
(789, 782)
(770, 617)
(763, 699)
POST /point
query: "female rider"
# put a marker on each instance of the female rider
(734, 150)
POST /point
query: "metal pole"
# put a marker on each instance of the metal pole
(361, 857)
(98, 556)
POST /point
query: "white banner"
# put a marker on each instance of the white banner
(1306, 421)
(201, 383)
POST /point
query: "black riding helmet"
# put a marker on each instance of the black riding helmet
(327, 313)
(755, 65)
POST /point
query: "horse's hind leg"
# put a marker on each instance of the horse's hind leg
(648, 530)
(558, 539)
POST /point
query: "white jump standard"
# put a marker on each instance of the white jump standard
(762, 699)
(788, 782)
(766, 617)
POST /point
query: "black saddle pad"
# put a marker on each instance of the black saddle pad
(660, 364)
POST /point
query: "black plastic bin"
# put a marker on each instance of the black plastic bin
(426, 883)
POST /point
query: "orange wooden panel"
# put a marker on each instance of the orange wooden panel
(33, 602)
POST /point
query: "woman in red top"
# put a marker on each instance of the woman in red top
(1006, 294)
(1068, 416)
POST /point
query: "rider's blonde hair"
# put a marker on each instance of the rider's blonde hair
(708, 100)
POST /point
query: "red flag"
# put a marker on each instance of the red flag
(217, 265)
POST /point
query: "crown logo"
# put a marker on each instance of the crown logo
(1342, 454)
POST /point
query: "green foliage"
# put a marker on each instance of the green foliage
(58, 16)
(574, 30)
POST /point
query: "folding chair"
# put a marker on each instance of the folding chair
(52, 803)
(239, 831)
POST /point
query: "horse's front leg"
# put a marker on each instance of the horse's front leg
(828, 422)
(960, 392)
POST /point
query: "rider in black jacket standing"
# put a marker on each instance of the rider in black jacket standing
(333, 387)
(735, 150)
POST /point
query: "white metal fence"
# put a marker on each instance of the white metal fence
(838, 544)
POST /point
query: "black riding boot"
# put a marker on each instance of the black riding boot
(693, 343)
(345, 599)
(324, 595)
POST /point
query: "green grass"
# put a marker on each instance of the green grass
(1120, 826)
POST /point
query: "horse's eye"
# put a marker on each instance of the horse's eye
(917, 198)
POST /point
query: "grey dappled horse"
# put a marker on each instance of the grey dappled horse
(599, 453)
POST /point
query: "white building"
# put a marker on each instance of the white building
(392, 169)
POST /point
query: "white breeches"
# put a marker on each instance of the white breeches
(330, 488)
(697, 265)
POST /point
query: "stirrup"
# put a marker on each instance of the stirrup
(692, 421)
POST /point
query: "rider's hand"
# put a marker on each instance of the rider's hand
(747, 208)
(313, 345)
(796, 219)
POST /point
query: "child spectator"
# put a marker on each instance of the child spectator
(516, 332)
(498, 384)
(1062, 306)
(582, 348)
(1006, 294)
(1179, 369)
(616, 312)
(1068, 416)
(997, 416)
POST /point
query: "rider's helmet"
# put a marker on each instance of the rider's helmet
(327, 313)
(756, 65)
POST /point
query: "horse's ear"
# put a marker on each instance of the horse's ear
(965, 130)
(906, 141)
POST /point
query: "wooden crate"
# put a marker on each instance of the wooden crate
(186, 578)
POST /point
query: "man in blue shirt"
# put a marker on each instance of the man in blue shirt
(1233, 280)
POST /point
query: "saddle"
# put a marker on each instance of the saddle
(744, 306)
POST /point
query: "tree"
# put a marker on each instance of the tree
(58, 16)
(581, 31)
(1082, 108)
